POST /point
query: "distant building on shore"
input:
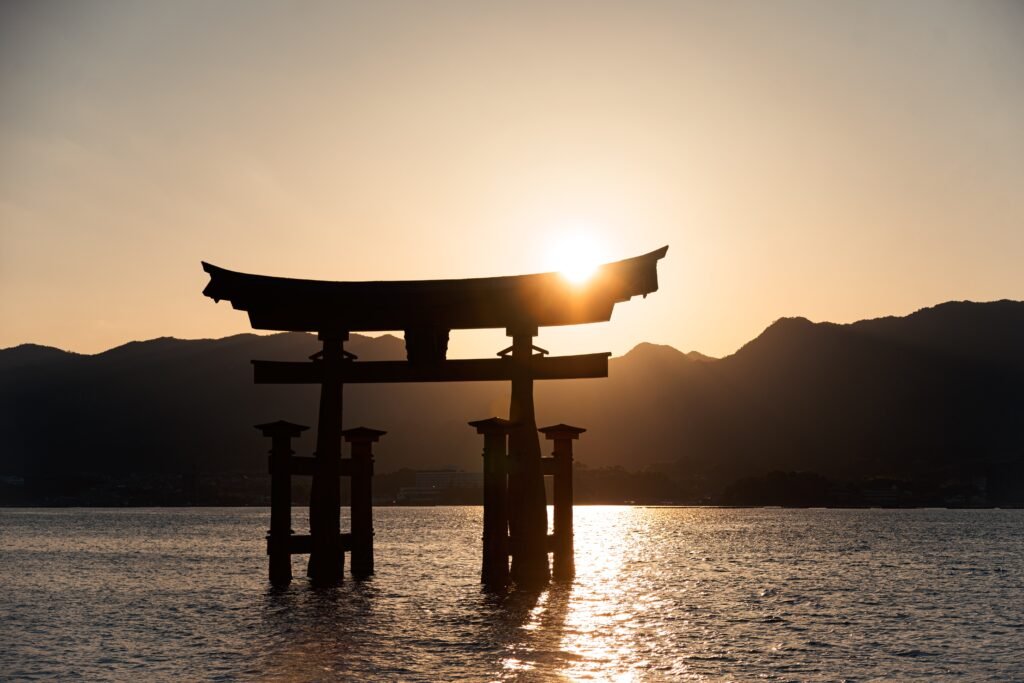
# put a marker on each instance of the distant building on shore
(433, 487)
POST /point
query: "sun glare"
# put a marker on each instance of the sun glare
(576, 257)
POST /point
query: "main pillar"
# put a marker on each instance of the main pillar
(563, 435)
(326, 558)
(528, 516)
(281, 434)
(362, 440)
(494, 566)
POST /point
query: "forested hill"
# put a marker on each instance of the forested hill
(936, 393)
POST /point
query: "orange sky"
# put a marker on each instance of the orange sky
(831, 160)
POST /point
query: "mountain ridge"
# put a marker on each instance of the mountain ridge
(867, 323)
(931, 394)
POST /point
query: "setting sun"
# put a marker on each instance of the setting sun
(576, 257)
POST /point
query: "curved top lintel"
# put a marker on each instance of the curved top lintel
(541, 299)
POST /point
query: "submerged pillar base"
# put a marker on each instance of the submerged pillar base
(494, 573)
(564, 554)
(281, 434)
(362, 440)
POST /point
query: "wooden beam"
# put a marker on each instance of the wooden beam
(472, 370)
(301, 544)
(584, 366)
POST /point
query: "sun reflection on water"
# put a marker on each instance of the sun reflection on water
(600, 621)
(593, 622)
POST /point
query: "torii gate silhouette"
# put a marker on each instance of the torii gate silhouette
(427, 311)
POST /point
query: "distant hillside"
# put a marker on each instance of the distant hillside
(929, 395)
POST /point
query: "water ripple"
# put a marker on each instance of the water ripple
(661, 594)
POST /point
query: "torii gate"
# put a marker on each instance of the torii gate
(427, 311)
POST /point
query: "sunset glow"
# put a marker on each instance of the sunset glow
(499, 140)
(577, 256)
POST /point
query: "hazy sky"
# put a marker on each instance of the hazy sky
(831, 160)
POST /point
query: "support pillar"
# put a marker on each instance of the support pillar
(564, 553)
(362, 440)
(326, 558)
(494, 572)
(528, 517)
(281, 434)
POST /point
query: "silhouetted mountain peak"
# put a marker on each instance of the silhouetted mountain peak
(153, 346)
(787, 335)
(660, 357)
(645, 350)
(29, 350)
(991, 332)
(30, 354)
(792, 325)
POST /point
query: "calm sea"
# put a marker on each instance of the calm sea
(662, 594)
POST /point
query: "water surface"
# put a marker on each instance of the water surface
(661, 594)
